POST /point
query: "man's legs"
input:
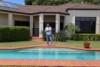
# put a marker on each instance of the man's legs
(50, 37)
(47, 39)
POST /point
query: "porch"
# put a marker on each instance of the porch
(38, 22)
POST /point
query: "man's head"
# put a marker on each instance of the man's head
(48, 25)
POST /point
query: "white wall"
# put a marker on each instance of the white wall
(52, 18)
(21, 18)
(49, 18)
(84, 13)
(3, 19)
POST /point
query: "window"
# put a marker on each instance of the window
(86, 24)
(22, 23)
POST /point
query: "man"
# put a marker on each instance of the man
(48, 31)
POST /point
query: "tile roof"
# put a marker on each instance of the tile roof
(31, 9)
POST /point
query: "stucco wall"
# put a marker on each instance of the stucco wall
(21, 18)
(51, 18)
(3, 19)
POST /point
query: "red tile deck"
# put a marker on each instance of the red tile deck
(50, 62)
(81, 63)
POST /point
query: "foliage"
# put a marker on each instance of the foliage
(86, 37)
(44, 35)
(57, 2)
(70, 29)
(28, 2)
(16, 33)
(60, 36)
(46, 2)
(64, 34)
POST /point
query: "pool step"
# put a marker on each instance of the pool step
(37, 39)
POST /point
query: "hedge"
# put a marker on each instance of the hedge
(14, 33)
(86, 37)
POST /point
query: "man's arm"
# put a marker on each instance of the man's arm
(50, 29)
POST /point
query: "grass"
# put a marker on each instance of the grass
(19, 43)
(94, 44)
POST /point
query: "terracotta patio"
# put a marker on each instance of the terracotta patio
(50, 62)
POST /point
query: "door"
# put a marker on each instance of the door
(35, 29)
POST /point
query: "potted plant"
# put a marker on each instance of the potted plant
(86, 45)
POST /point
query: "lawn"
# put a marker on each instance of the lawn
(94, 44)
(20, 43)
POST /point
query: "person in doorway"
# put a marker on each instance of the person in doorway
(48, 31)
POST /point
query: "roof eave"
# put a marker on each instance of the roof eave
(51, 13)
(35, 12)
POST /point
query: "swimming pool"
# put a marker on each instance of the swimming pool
(50, 53)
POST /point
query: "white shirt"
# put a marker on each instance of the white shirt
(48, 30)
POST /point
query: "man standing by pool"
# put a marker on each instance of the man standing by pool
(48, 31)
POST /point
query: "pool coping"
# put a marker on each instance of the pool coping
(45, 46)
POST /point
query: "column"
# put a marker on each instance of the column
(10, 19)
(73, 20)
(57, 23)
(73, 17)
(41, 21)
(31, 25)
(98, 25)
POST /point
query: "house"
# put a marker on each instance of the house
(86, 16)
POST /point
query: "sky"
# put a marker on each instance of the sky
(16, 1)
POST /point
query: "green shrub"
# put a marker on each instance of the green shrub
(14, 33)
(60, 36)
(70, 30)
(44, 35)
(56, 36)
(86, 37)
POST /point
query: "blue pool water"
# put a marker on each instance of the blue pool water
(50, 53)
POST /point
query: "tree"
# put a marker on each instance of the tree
(28, 2)
(58, 2)
(45, 2)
